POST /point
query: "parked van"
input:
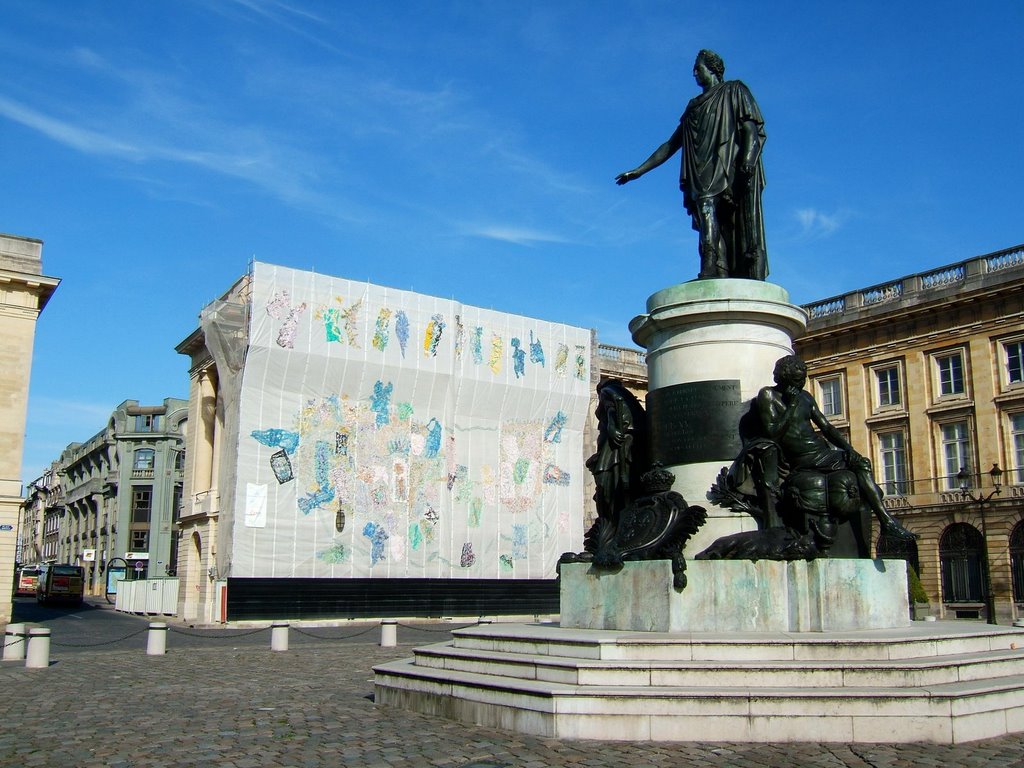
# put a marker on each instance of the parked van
(60, 582)
(28, 578)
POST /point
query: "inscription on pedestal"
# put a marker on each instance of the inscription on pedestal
(696, 421)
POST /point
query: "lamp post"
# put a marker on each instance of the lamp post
(981, 500)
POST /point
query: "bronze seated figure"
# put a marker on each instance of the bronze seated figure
(810, 492)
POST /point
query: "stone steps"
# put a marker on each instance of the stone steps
(672, 697)
(943, 682)
(925, 671)
(922, 640)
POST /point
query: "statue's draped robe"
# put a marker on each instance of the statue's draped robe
(712, 151)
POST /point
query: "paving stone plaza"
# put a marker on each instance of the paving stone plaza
(312, 706)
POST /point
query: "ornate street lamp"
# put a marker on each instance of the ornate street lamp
(981, 500)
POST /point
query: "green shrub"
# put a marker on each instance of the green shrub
(914, 586)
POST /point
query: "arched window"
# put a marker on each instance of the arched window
(1017, 561)
(892, 548)
(960, 553)
(144, 458)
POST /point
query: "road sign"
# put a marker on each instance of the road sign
(138, 567)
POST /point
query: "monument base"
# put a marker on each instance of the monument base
(943, 682)
(738, 596)
(711, 345)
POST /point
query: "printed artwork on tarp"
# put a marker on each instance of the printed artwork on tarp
(390, 434)
(255, 506)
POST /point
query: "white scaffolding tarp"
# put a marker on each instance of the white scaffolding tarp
(386, 433)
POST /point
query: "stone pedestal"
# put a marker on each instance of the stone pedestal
(738, 596)
(711, 345)
(942, 682)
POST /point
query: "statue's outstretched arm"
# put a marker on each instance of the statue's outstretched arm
(659, 156)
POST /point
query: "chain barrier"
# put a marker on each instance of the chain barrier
(219, 635)
(371, 628)
(103, 642)
(444, 629)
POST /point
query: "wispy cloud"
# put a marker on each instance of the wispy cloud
(274, 9)
(512, 234)
(148, 115)
(75, 136)
(815, 224)
(542, 175)
(247, 154)
(283, 15)
(311, 154)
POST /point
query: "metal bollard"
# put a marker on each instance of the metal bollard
(38, 654)
(14, 642)
(156, 640)
(388, 633)
(279, 636)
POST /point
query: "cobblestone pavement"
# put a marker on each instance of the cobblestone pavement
(234, 707)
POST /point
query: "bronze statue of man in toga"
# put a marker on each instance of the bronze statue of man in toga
(721, 134)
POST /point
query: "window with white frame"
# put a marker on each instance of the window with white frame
(892, 453)
(1014, 361)
(889, 392)
(956, 451)
(145, 458)
(1017, 436)
(830, 396)
(950, 373)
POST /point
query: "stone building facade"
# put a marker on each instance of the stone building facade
(201, 588)
(925, 374)
(41, 499)
(625, 364)
(24, 292)
(116, 495)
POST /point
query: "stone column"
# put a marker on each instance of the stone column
(218, 439)
(203, 462)
(711, 345)
(93, 570)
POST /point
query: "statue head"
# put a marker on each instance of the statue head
(790, 370)
(610, 395)
(712, 61)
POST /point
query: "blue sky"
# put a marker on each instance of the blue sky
(468, 150)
